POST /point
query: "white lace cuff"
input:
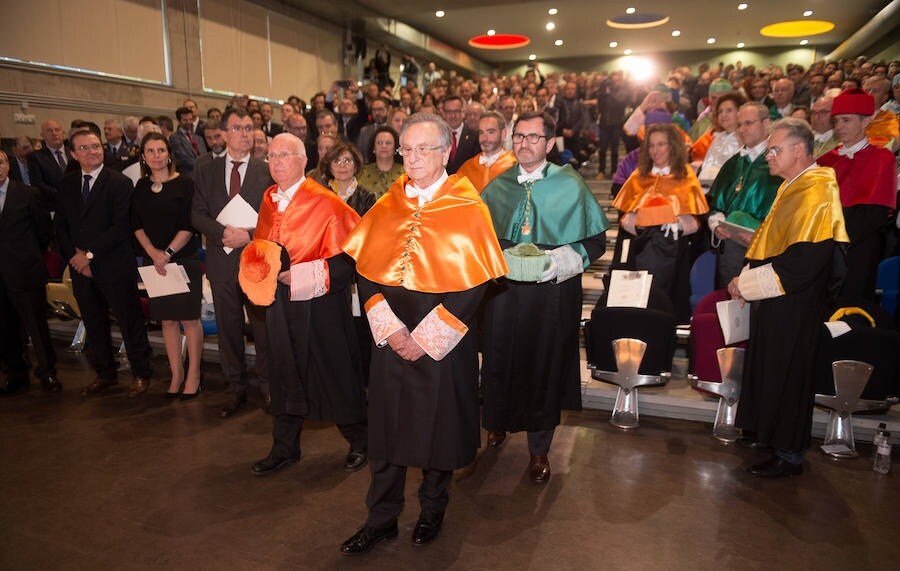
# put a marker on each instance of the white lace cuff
(759, 283)
(309, 280)
(715, 219)
(439, 332)
(568, 262)
(382, 320)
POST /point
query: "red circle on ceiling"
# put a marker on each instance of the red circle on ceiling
(499, 41)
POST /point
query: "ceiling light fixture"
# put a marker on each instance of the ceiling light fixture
(710, 40)
(637, 21)
(492, 32)
(558, 42)
(742, 6)
(808, 13)
(499, 41)
(740, 45)
(553, 11)
(797, 28)
(630, 10)
(676, 33)
(550, 26)
(439, 13)
(613, 44)
(628, 52)
(532, 57)
(804, 42)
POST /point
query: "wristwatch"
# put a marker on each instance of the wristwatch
(170, 252)
(89, 255)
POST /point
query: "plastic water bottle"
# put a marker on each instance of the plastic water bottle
(879, 435)
(883, 455)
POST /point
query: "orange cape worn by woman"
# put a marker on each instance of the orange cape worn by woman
(807, 209)
(314, 225)
(883, 128)
(699, 149)
(655, 190)
(480, 175)
(446, 245)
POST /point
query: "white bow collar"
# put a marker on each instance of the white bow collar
(660, 171)
(536, 174)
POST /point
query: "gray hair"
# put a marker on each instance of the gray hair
(422, 117)
(501, 120)
(762, 112)
(797, 129)
(292, 140)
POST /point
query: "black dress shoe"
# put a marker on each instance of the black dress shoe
(356, 459)
(367, 538)
(427, 529)
(51, 384)
(539, 469)
(232, 407)
(776, 467)
(13, 384)
(193, 395)
(270, 465)
(495, 439)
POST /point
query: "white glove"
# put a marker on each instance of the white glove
(671, 228)
(715, 219)
(552, 271)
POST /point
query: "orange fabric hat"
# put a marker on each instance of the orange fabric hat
(656, 211)
(853, 102)
(261, 262)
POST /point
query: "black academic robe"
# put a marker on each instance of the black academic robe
(314, 363)
(425, 413)
(531, 367)
(778, 385)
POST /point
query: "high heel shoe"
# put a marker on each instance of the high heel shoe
(189, 396)
(171, 395)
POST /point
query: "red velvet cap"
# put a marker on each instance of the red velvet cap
(853, 102)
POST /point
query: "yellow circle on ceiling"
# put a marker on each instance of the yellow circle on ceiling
(797, 28)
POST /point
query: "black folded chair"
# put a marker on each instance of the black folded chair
(631, 348)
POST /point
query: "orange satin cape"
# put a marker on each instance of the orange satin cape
(699, 149)
(640, 190)
(480, 175)
(883, 128)
(314, 225)
(807, 209)
(446, 245)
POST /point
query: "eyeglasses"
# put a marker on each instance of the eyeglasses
(421, 150)
(273, 157)
(532, 138)
(777, 150)
(91, 147)
(239, 128)
(343, 161)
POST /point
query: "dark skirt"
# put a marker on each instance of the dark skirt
(182, 306)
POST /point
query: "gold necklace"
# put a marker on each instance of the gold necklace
(526, 224)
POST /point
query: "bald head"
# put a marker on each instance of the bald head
(782, 92)
(879, 88)
(287, 160)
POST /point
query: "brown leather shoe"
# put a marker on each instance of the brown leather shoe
(99, 385)
(539, 469)
(138, 387)
(495, 439)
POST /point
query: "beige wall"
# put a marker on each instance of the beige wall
(306, 56)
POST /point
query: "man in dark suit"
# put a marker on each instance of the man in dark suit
(94, 234)
(18, 162)
(47, 165)
(25, 231)
(185, 144)
(215, 184)
(463, 141)
(351, 110)
(269, 127)
(197, 123)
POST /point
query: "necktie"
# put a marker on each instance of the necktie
(86, 187)
(23, 169)
(60, 159)
(453, 146)
(194, 144)
(235, 187)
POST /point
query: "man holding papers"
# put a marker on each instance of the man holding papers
(789, 275)
(232, 181)
(295, 267)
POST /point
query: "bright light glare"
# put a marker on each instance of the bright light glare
(742, 6)
(613, 44)
(710, 40)
(628, 52)
(439, 13)
(491, 32)
(552, 11)
(740, 44)
(676, 33)
(639, 67)
(630, 10)
(558, 42)
(808, 13)
(532, 57)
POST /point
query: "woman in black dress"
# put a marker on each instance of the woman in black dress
(161, 219)
(339, 167)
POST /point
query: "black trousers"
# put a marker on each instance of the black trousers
(385, 497)
(96, 300)
(539, 442)
(229, 301)
(25, 311)
(608, 137)
(286, 435)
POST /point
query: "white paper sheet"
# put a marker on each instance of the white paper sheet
(174, 282)
(734, 318)
(629, 289)
(238, 214)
